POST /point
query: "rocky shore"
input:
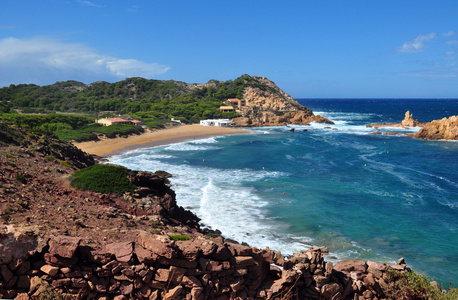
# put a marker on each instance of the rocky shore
(57, 242)
(444, 129)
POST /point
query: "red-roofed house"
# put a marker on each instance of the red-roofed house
(119, 120)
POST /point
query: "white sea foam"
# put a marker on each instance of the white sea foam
(189, 146)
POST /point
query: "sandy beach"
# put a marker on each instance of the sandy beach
(155, 138)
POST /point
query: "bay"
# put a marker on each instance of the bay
(364, 196)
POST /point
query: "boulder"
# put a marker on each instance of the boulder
(63, 246)
(122, 250)
(159, 244)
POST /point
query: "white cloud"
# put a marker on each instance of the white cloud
(43, 60)
(450, 33)
(88, 3)
(416, 45)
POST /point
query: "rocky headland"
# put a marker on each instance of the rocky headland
(273, 107)
(58, 242)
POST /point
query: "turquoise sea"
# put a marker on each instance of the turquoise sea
(364, 196)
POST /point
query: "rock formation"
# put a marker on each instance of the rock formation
(272, 106)
(409, 121)
(446, 129)
(156, 267)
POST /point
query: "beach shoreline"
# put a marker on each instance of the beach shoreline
(150, 139)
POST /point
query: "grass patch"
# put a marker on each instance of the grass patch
(179, 237)
(66, 164)
(49, 157)
(20, 178)
(103, 179)
(11, 155)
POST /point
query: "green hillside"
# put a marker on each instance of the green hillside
(152, 101)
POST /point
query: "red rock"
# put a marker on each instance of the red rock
(240, 250)
(221, 253)
(60, 261)
(162, 275)
(144, 292)
(330, 289)
(173, 293)
(63, 246)
(145, 256)
(244, 261)
(122, 250)
(176, 274)
(214, 266)
(61, 282)
(350, 265)
(50, 270)
(197, 293)
(159, 244)
(126, 287)
(190, 282)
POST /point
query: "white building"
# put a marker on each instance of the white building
(216, 122)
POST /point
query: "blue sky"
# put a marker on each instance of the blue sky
(310, 48)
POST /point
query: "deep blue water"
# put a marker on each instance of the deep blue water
(372, 197)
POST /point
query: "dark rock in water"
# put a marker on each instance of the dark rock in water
(292, 130)
(305, 130)
(163, 174)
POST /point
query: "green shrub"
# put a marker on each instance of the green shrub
(12, 164)
(179, 237)
(103, 179)
(20, 178)
(49, 157)
(409, 286)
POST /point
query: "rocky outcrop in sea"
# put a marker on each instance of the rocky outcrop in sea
(444, 129)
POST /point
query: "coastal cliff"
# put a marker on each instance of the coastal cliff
(65, 243)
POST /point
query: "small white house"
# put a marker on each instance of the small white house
(216, 122)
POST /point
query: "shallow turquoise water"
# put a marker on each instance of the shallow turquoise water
(365, 196)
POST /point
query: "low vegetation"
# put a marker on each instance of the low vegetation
(179, 237)
(410, 286)
(105, 179)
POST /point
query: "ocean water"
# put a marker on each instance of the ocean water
(364, 196)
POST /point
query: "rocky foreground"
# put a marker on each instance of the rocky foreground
(57, 242)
